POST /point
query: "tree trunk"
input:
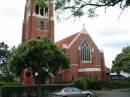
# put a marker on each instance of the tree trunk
(118, 75)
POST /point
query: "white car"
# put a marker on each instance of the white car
(71, 92)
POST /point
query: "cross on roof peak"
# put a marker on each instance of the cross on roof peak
(84, 29)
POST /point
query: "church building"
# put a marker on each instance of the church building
(86, 60)
(85, 57)
(37, 21)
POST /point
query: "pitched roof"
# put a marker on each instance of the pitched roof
(66, 40)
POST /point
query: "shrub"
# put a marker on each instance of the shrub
(8, 78)
(95, 84)
(4, 83)
(81, 83)
(87, 83)
(24, 91)
(128, 79)
(118, 84)
(63, 82)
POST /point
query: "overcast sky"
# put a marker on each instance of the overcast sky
(108, 32)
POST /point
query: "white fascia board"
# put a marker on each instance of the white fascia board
(89, 69)
(74, 40)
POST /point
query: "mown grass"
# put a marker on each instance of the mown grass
(125, 90)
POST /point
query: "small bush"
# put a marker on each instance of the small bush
(81, 83)
(95, 84)
(8, 78)
(88, 83)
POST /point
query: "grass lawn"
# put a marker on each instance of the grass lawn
(125, 90)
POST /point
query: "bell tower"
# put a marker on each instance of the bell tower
(38, 21)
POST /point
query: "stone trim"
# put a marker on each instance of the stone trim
(89, 69)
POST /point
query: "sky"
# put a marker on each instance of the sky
(110, 33)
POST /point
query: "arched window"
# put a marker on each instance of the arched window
(85, 52)
(37, 10)
(41, 11)
(45, 11)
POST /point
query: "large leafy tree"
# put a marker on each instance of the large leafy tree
(117, 64)
(79, 8)
(122, 61)
(5, 73)
(41, 55)
(4, 52)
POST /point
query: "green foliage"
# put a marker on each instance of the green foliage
(127, 3)
(5, 73)
(81, 83)
(122, 61)
(41, 55)
(24, 91)
(117, 64)
(8, 78)
(42, 3)
(20, 90)
(78, 13)
(95, 84)
(63, 82)
(115, 84)
(8, 83)
(59, 4)
(78, 8)
(128, 79)
(4, 52)
(91, 12)
(87, 83)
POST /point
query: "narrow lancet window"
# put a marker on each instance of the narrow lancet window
(85, 52)
(37, 10)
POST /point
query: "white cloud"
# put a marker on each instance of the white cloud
(110, 54)
(108, 32)
(11, 16)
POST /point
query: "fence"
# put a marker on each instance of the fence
(30, 91)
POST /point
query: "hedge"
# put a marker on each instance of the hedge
(95, 84)
(31, 91)
(18, 90)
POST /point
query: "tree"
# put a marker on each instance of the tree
(122, 61)
(41, 55)
(5, 73)
(4, 52)
(78, 8)
(117, 65)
